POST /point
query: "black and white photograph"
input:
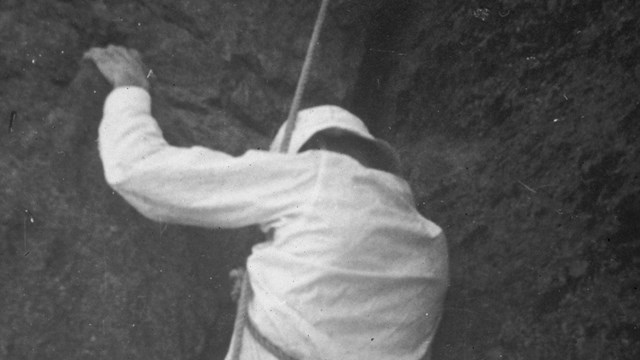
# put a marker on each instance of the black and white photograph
(319, 180)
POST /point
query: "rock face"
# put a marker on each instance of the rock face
(517, 121)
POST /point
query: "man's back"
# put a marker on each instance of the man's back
(356, 265)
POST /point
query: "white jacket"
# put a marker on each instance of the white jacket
(352, 270)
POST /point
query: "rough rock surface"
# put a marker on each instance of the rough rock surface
(517, 122)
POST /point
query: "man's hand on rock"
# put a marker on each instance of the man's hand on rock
(121, 66)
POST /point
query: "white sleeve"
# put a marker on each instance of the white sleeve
(194, 186)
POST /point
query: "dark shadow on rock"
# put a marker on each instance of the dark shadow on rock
(73, 126)
(389, 37)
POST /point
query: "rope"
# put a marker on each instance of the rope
(243, 301)
(304, 76)
(271, 347)
(241, 317)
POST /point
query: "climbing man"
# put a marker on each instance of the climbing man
(349, 270)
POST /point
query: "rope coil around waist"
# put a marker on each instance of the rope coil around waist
(267, 344)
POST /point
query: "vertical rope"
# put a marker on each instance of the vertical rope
(241, 317)
(304, 76)
(243, 301)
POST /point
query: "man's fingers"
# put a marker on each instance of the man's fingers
(133, 56)
(115, 49)
(123, 53)
(113, 52)
(91, 53)
(136, 55)
(98, 54)
(118, 50)
(121, 66)
(138, 59)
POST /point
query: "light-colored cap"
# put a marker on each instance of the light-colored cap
(315, 119)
